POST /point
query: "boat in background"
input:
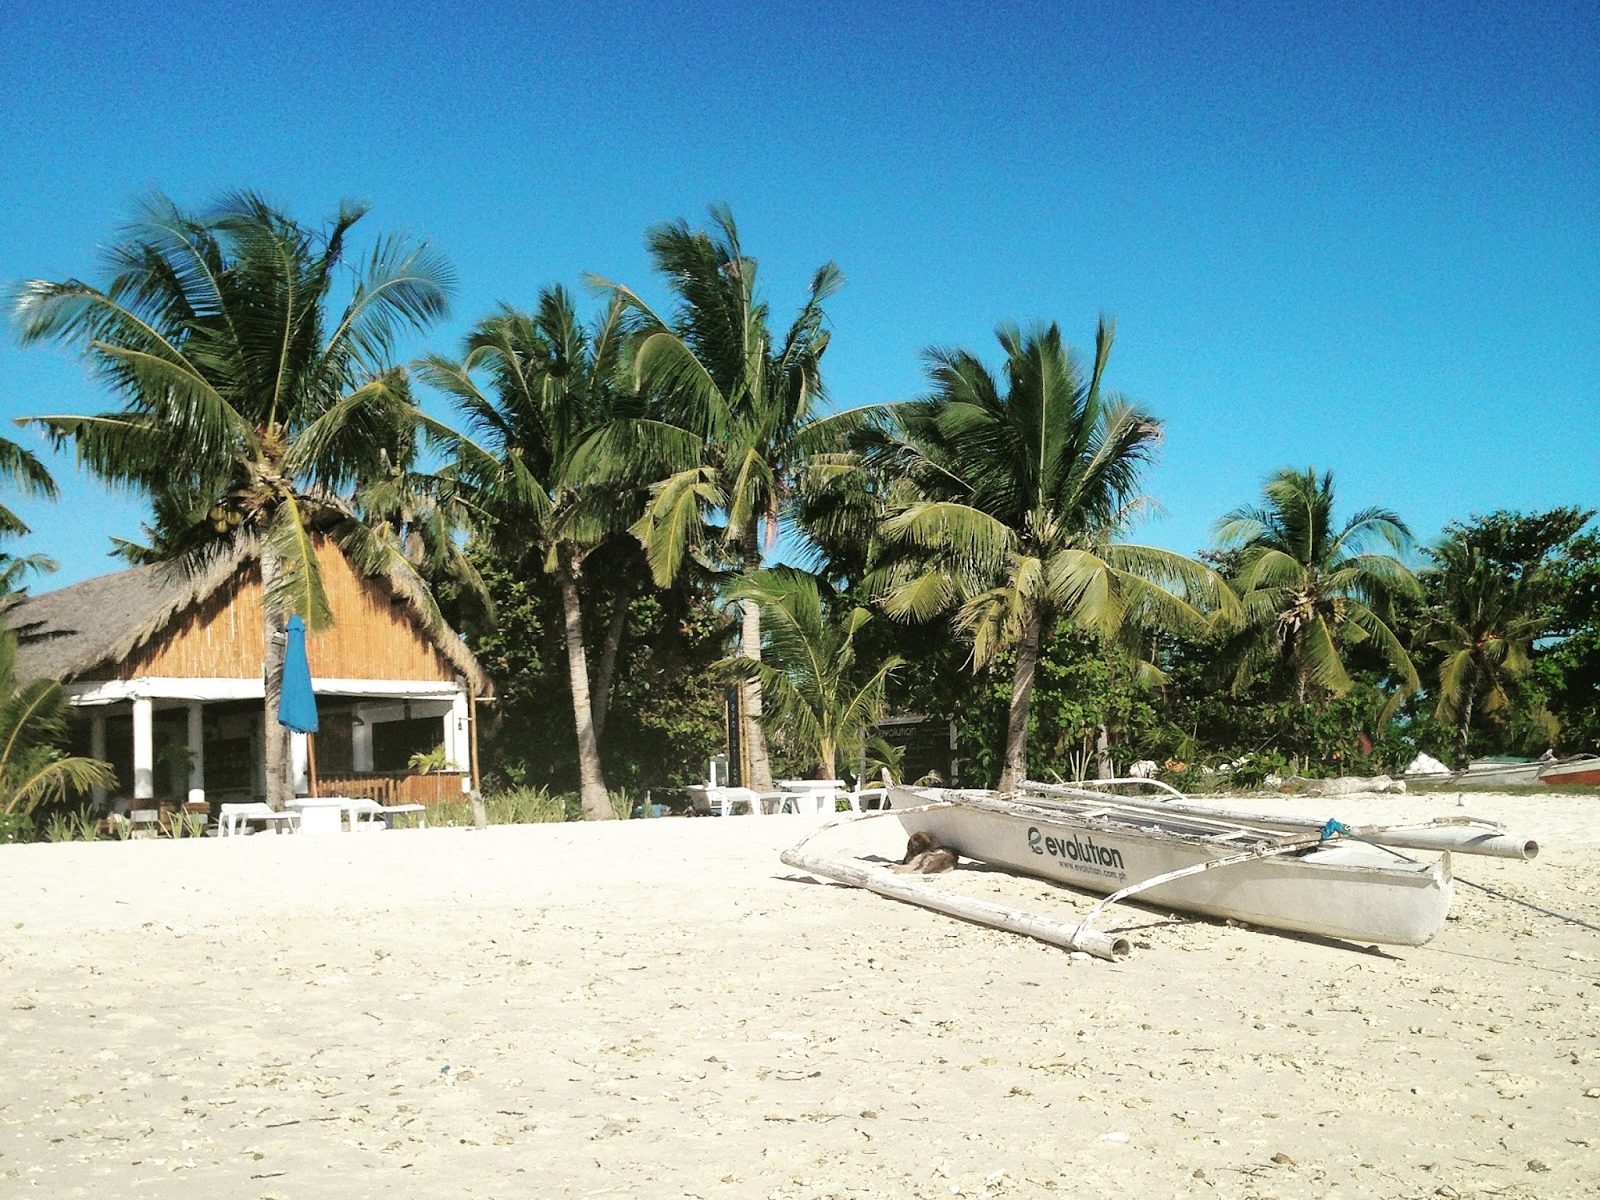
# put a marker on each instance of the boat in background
(1501, 770)
(1581, 769)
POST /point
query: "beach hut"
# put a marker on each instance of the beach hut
(165, 675)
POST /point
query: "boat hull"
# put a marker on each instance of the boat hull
(1498, 776)
(1349, 891)
(1584, 772)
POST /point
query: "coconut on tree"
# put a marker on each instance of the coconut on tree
(1009, 501)
(739, 409)
(251, 356)
(1310, 590)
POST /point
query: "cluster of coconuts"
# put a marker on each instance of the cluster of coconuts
(224, 519)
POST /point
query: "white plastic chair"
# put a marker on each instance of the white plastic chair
(356, 809)
(722, 801)
(234, 819)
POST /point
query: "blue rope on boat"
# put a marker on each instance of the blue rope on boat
(1334, 828)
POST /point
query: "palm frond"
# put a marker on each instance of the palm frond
(295, 586)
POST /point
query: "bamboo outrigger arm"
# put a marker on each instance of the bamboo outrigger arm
(1013, 920)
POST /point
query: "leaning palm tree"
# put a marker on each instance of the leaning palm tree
(1309, 591)
(742, 406)
(253, 402)
(820, 699)
(534, 463)
(1483, 620)
(33, 724)
(1011, 503)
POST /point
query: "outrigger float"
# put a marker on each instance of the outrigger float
(1277, 872)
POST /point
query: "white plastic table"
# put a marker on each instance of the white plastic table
(323, 814)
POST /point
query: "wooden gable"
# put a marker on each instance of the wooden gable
(373, 636)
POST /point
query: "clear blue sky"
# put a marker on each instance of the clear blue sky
(1360, 237)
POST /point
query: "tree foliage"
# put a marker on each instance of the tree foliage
(822, 697)
(34, 770)
(1310, 590)
(1008, 504)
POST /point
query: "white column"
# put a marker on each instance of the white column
(97, 749)
(197, 754)
(297, 763)
(456, 732)
(144, 756)
(361, 741)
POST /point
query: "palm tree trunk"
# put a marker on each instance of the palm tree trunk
(1466, 725)
(828, 760)
(755, 739)
(608, 658)
(1102, 753)
(1015, 769)
(280, 777)
(592, 781)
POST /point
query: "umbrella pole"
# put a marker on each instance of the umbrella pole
(311, 762)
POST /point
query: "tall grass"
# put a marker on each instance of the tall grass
(525, 806)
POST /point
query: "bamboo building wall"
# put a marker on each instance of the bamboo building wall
(373, 635)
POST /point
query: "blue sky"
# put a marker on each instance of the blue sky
(1360, 237)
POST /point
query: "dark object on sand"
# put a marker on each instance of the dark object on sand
(926, 855)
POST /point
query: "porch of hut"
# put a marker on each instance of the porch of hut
(170, 752)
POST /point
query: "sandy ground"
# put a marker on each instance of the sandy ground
(660, 1008)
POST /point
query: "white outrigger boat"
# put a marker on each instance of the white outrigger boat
(1278, 872)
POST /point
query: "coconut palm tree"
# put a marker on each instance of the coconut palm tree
(535, 462)
(15, 569)
(1483, 620)
(818, 697)
(33, 723)
(22, 469)
(1310, 590)
(745, 405)
(252, 362)
(1010, 502)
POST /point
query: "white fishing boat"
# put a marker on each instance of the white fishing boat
(1176, 856)
(1500, 771)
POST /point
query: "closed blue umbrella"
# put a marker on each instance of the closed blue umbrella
(297, 706)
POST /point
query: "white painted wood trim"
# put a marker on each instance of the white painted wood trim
(155, 687)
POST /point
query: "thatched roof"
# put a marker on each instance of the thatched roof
(68, 633)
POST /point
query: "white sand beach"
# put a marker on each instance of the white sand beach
(660, 1008)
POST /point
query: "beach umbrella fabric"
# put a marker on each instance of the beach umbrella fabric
(297, 707)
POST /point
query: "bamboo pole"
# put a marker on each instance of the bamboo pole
(1463, 835)
(1013, 920)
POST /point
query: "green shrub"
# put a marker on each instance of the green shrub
(186, 825)
(622, 803)
(524, 806)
